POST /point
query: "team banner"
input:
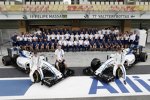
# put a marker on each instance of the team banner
(49, 8)
(74, 87)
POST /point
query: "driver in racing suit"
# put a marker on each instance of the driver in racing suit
(35, 65)
(119, 59)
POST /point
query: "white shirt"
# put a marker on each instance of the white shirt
(34, 38)
(99, 32)
(116, 31)
(65, 43)
(108, 31)
(62, 37)
(48, 37)
(30, 39)
(91, 36)
(86, 36)
(70, 43)
(58, 36)
(101, 36)
(126, 37)
(25, 38)
(67, 35)
(77, 36)
(132, 37)
(72, 37)
(96, 36)
(59, 54)
(86, 42)
(60, 42)
(75, 43)
(103, 31)
(80, 42)
(53, 36)
(82, 36)
(119, 58)
(39, 32)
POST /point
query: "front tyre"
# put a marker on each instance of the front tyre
(36, 76)
(119, 73)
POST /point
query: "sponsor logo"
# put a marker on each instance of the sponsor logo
(136, 83)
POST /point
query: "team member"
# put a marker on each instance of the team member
(119, 59)
(82, 36)
(91, 36)
(67, 36)
(53, 37)
(80, 44)
(86, 35)
(75, 43)
(58, 36)
(59, 53)
(65, 44)
(70, 44)
(86, 45)
(77, 36)
(72, 37)
(35, 65)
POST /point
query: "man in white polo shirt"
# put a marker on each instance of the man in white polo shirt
(80, 44)
(59, 53)
(77, 36)
(86, 45)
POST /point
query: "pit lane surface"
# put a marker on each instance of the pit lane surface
(15, 72)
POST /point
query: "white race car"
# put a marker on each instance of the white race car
(22, 59)
(104, 71)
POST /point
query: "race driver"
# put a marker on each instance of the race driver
(35, 65)
(119, 59)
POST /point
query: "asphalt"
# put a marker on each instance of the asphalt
(15, 72)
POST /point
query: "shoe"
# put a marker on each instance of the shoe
(124, 82)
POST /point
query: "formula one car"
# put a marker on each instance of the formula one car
(46, 72)
(104, 72)
(134, 54)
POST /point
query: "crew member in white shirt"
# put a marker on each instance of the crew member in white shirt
(91, 36)
(65, 44)
(76, 43)
(86, 35)
(77, 36)
(53, 36)
(86, 45)
(82, 36)
(59, 53)
(70, 44)
(81, 45)
(72, 37)
(67, 36)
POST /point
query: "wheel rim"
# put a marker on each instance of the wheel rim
(119, 73)
(36, 77)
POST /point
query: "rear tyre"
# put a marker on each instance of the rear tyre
(143, 56)
(95, 64)
(36, 76)
(6, 60)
